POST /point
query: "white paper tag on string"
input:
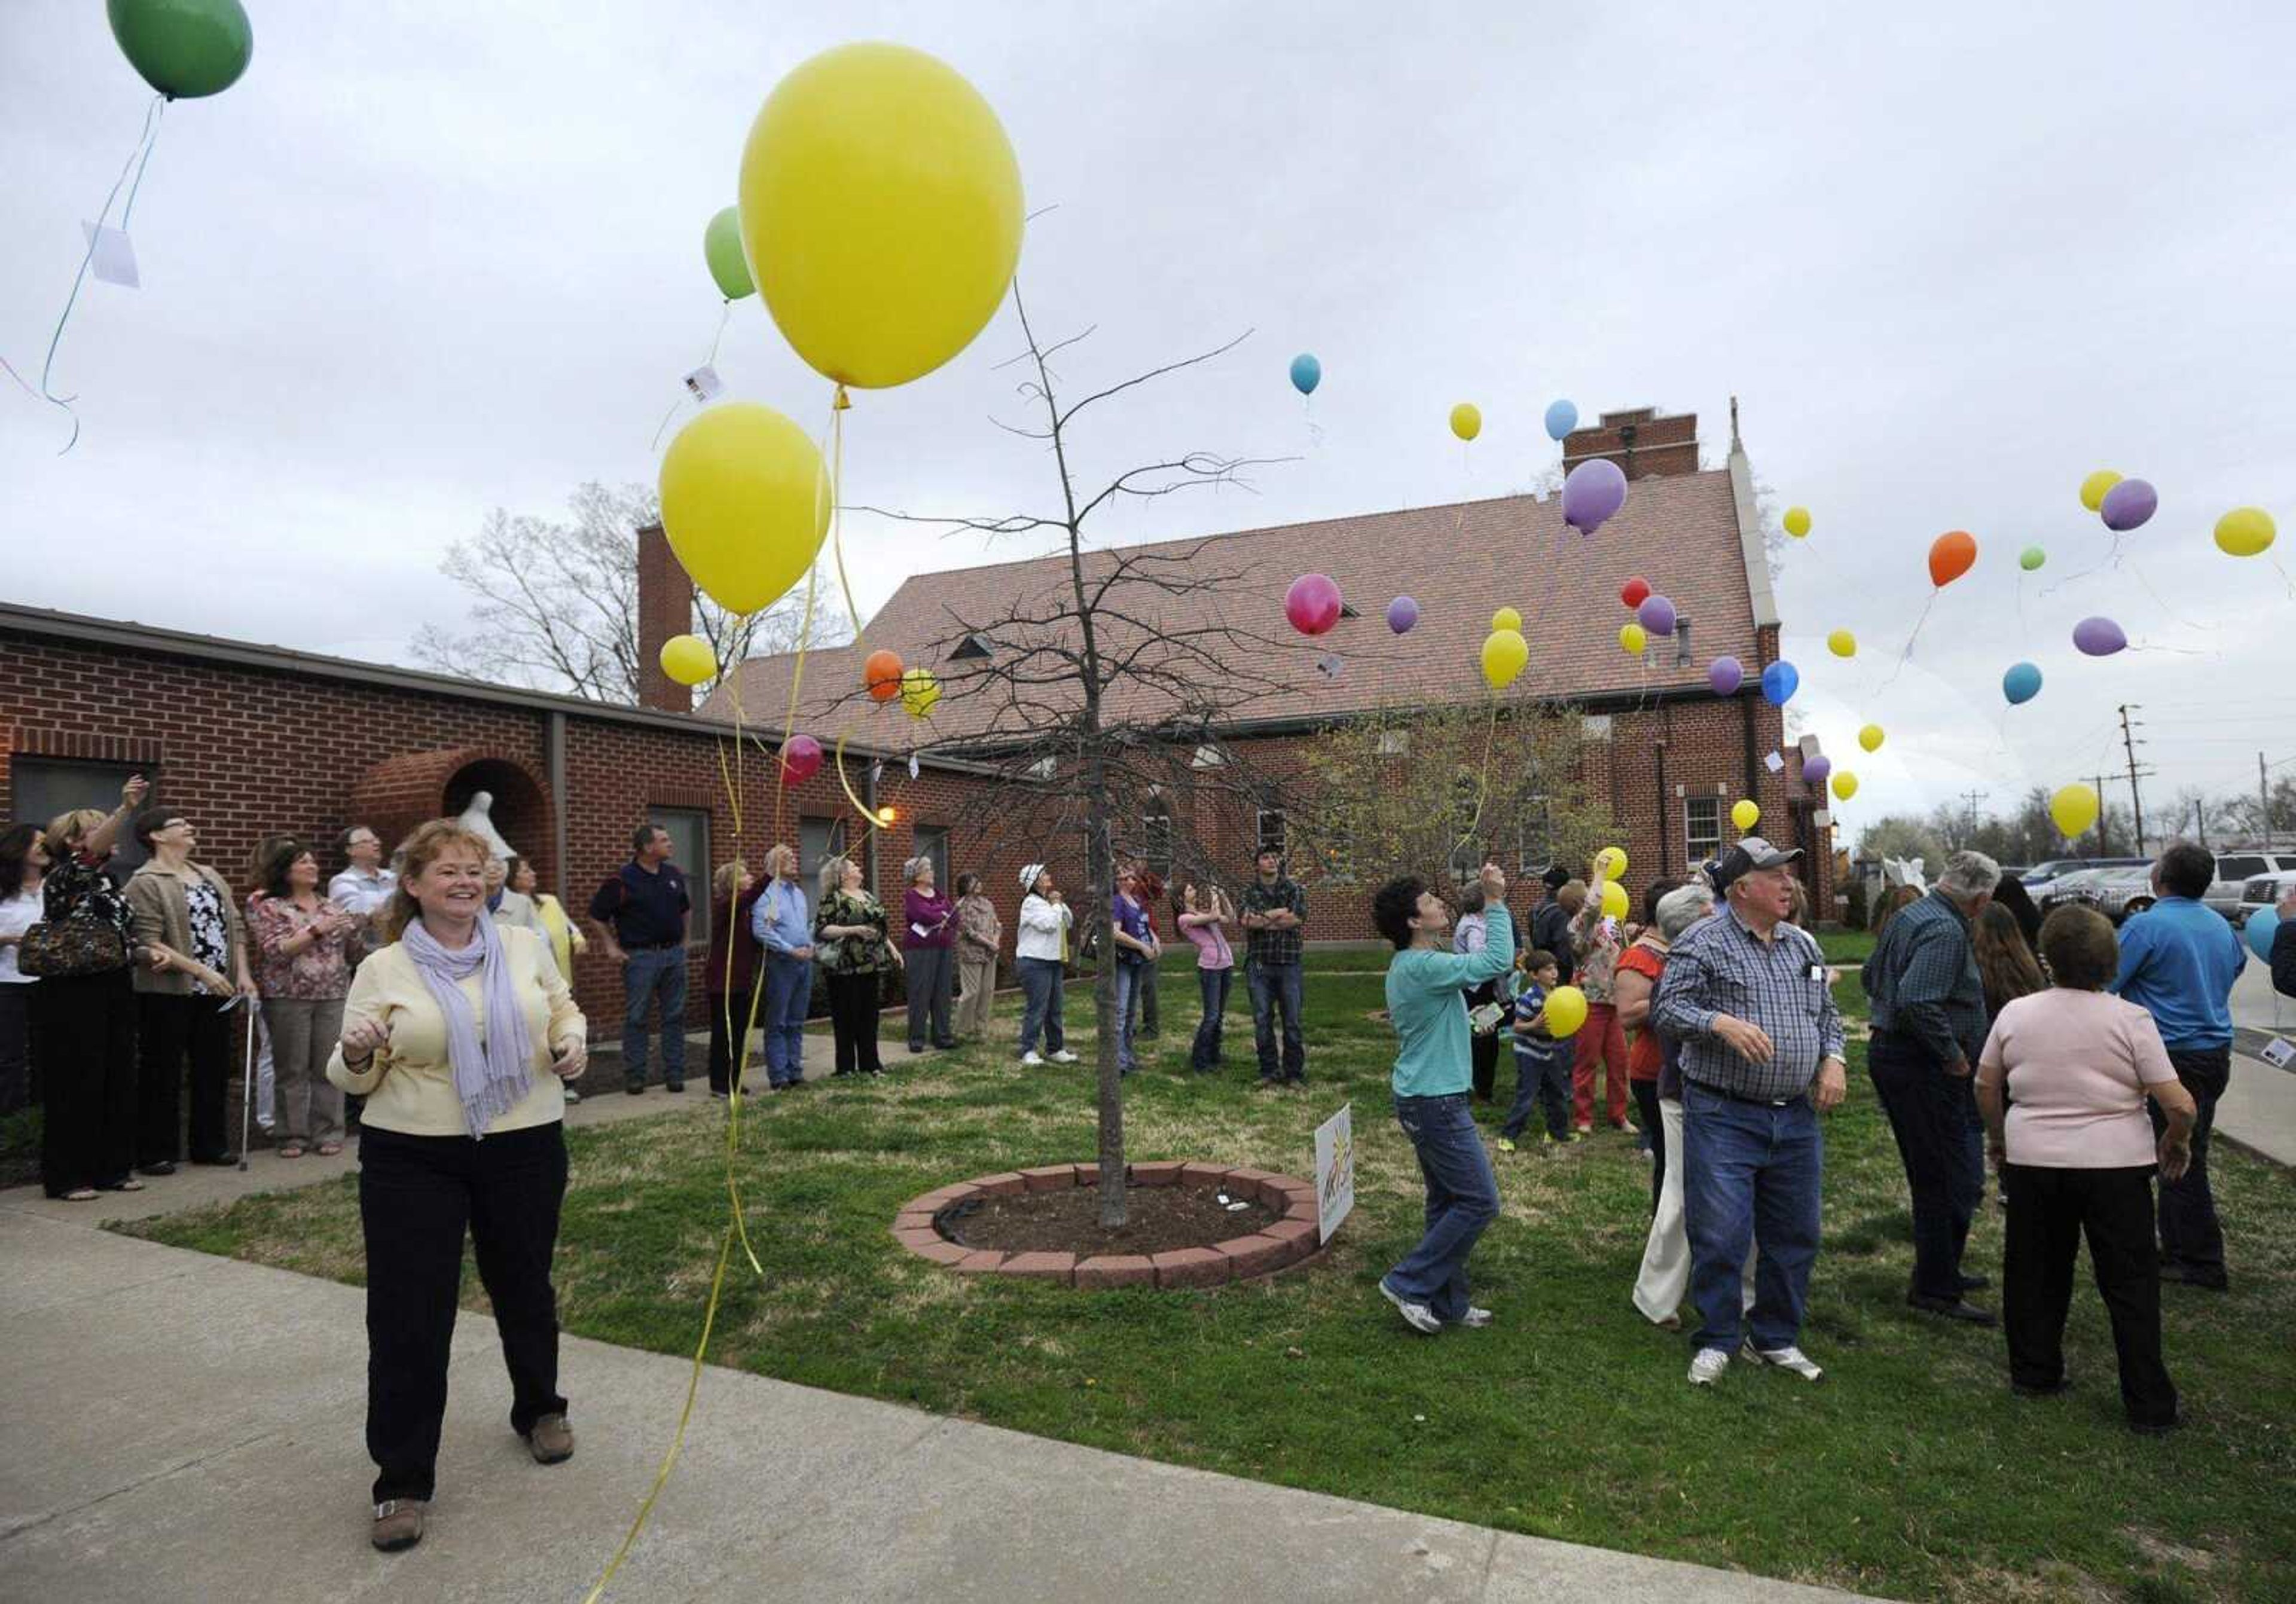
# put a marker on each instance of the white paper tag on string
(705, 384)
(112, 255)
(1775, 764)
(912, 766)
(2278, 1053)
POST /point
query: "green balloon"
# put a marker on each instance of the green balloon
(184, 49)
(2031, 558)
(721, 247)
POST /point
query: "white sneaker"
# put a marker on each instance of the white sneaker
(1030, 1061)
(1706, 1369)
(572, 1095)
(1475, 1319)
(1789, 1358)
(1064, 1056)
(1418, 1316)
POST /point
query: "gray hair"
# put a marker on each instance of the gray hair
(832, 874)
(1969, 875)
(1683, 907)
(910, 866)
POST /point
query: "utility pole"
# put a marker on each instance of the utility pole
(2263, 804)
(2103, 841)
(1973, 797)
(2129, 744)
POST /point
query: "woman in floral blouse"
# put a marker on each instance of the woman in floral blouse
(302, 968)
(851, 944)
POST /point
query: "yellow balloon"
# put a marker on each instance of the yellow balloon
(1745, 813)
(1504, 654)
(1871, 737)
(1615, 903)
(880, 209)
(688, 660)
(1506, 617)
(2093, 488)
(1566, 1012)
(1466, 420)
(1845, 784)
(919, 692)
(1842, 643)
(2074, 808)
(745, 504)
(1610, 862)
(2245, 531)
(1634, 639)
(1797, 522)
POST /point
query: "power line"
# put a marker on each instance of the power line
(2129, 744)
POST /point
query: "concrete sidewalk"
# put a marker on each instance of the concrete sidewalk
(191, 1425)
(2258, 1111)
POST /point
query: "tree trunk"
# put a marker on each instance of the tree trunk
(1099, 859)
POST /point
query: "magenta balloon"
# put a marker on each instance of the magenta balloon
(801, 758)
(1726, 674)
(1656, 614)
(1312, 604)
(1813, 770)
(2099, 637)
(1402, 613)
(1592, 491)
(2128, 505)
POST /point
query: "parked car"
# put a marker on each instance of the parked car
(2055, 868)
(2234, 870)
(2116, 892)
(2262, 891)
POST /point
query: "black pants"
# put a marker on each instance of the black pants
(721, 1040)
(1654, 1128)
(1930, 1114)
(169, 1030)
(83, 1031)
(2048, 1211)
(16, 1043)
(1145, 1021)
(2190, 1235)
(853, 1016)
(417, 1197)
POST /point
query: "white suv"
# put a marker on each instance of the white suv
(2236, 871)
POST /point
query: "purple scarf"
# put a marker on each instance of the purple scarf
(494, 1078)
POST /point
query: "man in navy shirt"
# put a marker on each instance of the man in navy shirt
(639, 913)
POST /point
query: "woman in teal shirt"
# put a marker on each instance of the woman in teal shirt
(1434, 1072)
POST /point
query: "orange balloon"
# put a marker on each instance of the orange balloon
(881, 673)
(1950, 556)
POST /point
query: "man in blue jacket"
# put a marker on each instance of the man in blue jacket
(2179, 961)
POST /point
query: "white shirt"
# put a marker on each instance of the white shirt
(17, 914)
(1042, 926)
(360, 892)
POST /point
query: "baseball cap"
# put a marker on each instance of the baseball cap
(1749, 853)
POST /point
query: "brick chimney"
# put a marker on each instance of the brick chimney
(665, 609)
(1641, 441)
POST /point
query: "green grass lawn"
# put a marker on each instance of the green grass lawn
(1912, 1472)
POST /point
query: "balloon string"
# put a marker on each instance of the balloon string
(711, 360)
(860, 807)
(1483, 783)
(1906, 656)
(837, 409)
(797, 678)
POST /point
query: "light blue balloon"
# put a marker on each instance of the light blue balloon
(2261, 927)
(1780, 681)
(1561, 418)
(2022, 684)
(1307, 373)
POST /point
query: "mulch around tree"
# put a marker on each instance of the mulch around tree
(1158, 1220)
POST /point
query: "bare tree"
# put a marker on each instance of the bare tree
(554, 605)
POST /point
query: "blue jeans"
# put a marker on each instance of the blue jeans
(1129, 972)
(1750, 1174)
(658, 973)
(1463, 1198)
(1542, 1076)
(1213, 984)
(1932, 1116)
(789, 991)
(1274, 985)
(1040, 993)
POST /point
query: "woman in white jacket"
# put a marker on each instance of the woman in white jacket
(1039, 952)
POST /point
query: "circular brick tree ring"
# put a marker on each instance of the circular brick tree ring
(1292, 1239)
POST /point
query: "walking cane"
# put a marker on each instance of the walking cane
(247, 1086)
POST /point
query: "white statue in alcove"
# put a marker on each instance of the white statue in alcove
(478, 818)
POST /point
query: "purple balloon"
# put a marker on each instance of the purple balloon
(1813, 770)
(1592, 491)
(2128, 505)
(1726, 674)
(1656, 615)
(2099, 637)
(1402, 613)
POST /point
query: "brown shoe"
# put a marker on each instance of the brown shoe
(551, 1440)
(398, 1523)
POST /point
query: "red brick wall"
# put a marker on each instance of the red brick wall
(665, 609)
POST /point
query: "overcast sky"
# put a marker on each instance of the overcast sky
(428, 260)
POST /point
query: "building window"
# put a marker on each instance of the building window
(972, 646)
(45, 787)
(818, 840)
(1701, 824)
(1207, 758)
(932, 842)
(1394, 743)
(689, 841)
(1156, 838)
(1271, 832)
(1535, 835)
(1594, 726)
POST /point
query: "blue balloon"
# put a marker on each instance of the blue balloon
(1307, 373)
(1561, 418)
(2261, 927)
(2022, 684)
(1780, 681)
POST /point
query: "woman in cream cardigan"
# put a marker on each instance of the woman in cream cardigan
(459, 1034)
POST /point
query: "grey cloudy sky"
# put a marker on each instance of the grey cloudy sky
(427, 259)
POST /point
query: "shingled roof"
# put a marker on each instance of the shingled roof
(1461, 562)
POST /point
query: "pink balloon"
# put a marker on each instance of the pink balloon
(1312, 604)
(800, 759)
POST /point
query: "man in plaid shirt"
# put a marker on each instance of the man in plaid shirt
(1746, 996)
(1274, 909)
(1929, 1028)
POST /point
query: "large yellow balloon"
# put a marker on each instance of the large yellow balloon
(1634, 639)
(1506, 617)
(1566, 1012)
(688, 660)
(1615, 901)
(1845, 784)
(1504, 653)
(2074, 808)
(1797, 522)
(1871, 737)
(919, 692)
(1745, 813)
(2093, 488)
(745, 504)
(2245, 531)
(1842, 643)
(1610, 862)
(1466, 420)
(881, 208)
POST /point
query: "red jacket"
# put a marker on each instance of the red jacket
(745, 945)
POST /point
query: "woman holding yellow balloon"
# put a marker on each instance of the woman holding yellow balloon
(1595, 941)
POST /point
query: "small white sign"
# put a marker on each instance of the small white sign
(705, 384)
(2278, 1053)
(1775, 764)
(1335, 1171)
(912, 766)
(112, 255)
